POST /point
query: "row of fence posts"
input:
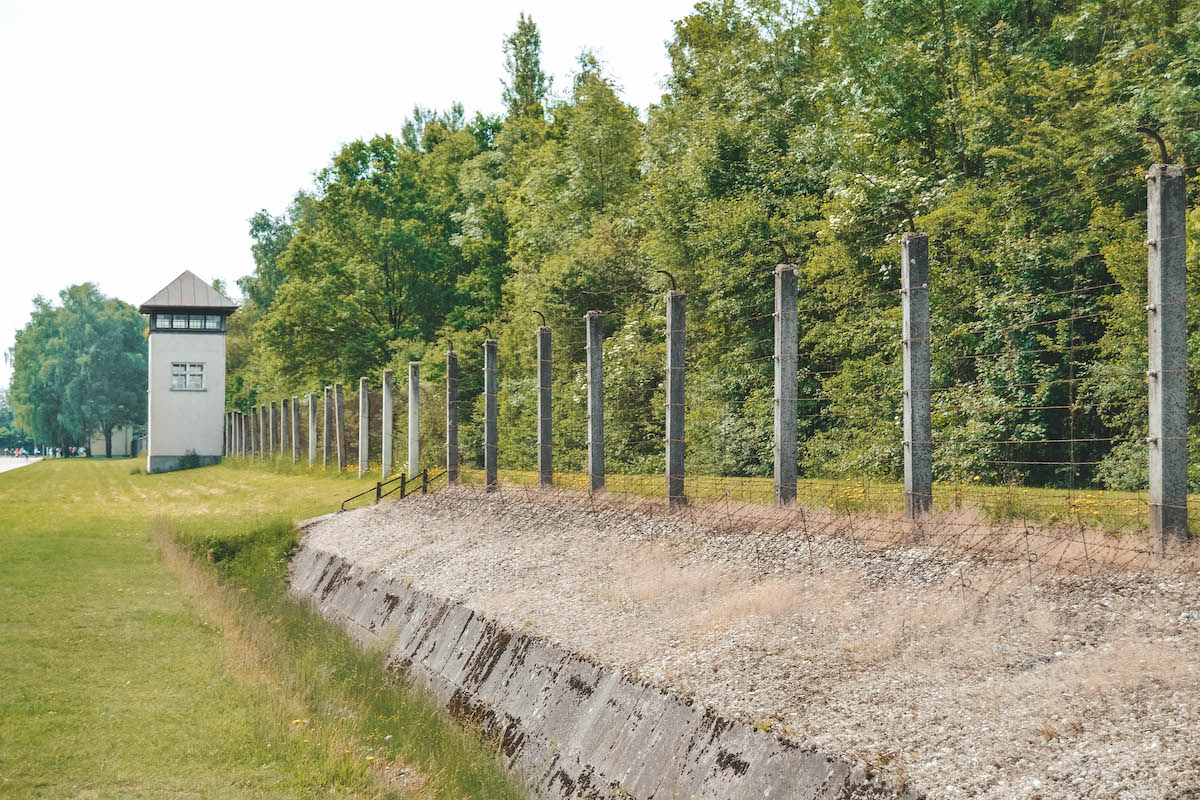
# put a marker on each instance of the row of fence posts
(254, 434)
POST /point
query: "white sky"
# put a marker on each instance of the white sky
(137, 138)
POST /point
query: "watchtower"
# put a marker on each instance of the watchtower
(187, 373)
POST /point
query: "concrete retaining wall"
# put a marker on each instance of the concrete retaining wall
(569, 727)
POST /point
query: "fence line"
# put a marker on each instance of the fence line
(878, 506)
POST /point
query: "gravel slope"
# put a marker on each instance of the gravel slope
(1073, 687)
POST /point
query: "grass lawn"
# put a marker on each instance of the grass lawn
(132, 669)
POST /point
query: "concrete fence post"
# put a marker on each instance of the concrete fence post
(312, 429)
(285, 425)
(339, 422)
(451, 417)
(387, 415)
(228, 426)
(594, 322)
(1167, 374)
(676, 375)
(274, 414)
(364, 425)
(787, 365)
(250, 433)
(264, 433)
(295, 429)
(414, 417)
(326, 419)
(918, 424)
(239, 434)
(491, 479)
(545, 430)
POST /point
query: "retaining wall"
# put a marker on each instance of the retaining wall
(569, 727)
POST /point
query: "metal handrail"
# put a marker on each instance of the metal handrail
(426, 480)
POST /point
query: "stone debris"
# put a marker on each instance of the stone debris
(988, 687)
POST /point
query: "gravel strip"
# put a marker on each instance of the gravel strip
(1073, 687)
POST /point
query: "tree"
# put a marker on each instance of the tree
(79, 368)
(525, 89)
(271, 236)
(11, 437)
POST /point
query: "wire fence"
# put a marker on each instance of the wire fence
(1037, 411)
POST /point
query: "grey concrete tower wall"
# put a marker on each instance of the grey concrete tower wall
(364, 425)
(451, 417)
(1166, 311)
(918, 424)
(414, 417)
(388, 420)
(491, 478)
(545, 430)
(568, 726)
(594, 322)
(676, 375)
(787, 341)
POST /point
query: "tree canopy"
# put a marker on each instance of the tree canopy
(79, 368)
(1007, 128)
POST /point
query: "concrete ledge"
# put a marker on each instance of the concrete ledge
(569, 727)
(172, 463)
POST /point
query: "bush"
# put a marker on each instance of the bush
(1126, 468)
(190, 460)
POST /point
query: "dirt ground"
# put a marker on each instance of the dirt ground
(951, 677)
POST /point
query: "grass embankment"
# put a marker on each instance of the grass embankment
(132, 669)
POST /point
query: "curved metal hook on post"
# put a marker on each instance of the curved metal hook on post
(543, 316)
(451, 343)
(903, 209)
(674, 284)
(1162, 146)
(489, 331)
(782, 250)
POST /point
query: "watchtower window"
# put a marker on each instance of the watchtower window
(187, 376)
(189, 322)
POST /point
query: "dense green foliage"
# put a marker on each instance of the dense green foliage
(11, 437)
(1007, 128)
(79, 368)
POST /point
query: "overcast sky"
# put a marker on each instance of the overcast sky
(136, 138)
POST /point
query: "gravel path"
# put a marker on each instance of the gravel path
(12, 462)
(1074, 687)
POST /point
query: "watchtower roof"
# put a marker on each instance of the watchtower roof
(188, 291)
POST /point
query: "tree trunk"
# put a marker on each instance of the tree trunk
(108, 441)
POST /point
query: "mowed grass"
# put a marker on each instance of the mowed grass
(129, 668)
